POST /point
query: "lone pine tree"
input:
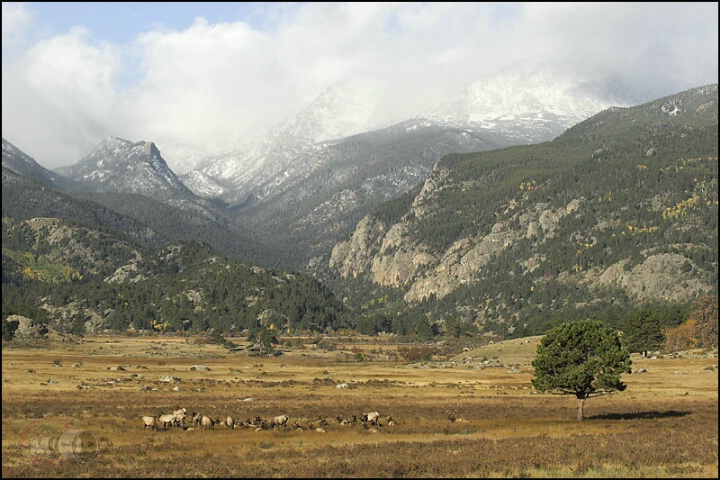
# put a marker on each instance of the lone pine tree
(583, 358)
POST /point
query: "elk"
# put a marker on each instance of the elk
(197, 418)
(279, 421)
(149, 422)
(345, 422)
(167, 420)
(207, 423)
(229, 422)
(320, 422)
(373, 418)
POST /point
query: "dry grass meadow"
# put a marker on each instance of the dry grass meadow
(69, 411)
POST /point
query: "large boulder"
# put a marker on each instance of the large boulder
(27, 327)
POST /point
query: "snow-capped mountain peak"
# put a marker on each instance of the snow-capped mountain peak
(528, 102)
(118, 165)
(342, 110)
(534, 99)
(345, 109)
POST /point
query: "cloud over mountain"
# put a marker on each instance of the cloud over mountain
(205, 85)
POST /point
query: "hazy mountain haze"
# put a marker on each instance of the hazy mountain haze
(201, 80)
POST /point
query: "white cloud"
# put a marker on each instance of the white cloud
(70, 72)
(210, 86)
(16, 19)
(200, 84)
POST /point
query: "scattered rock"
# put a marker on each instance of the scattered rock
(202, 368)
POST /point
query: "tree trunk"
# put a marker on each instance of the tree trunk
(580, 405)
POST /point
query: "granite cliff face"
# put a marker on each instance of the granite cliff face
(389, 257)
(618, 208)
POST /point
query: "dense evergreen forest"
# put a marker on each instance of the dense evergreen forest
(183, 287)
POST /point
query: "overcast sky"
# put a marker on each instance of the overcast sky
(211, 76)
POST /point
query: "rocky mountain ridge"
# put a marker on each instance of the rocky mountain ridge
(528, 102)
(522, 212)
(119, 165)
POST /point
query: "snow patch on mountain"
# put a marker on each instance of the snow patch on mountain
(535, 100)
(203, 185)
(343, 110)
(531, 101)
(118, 165)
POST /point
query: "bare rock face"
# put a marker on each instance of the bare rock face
(353, 256)
(27, 327)
(460, 265)
(390, 256)
(655, 278)
(430, 188)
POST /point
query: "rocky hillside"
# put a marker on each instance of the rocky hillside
(77, 278)
(622, 208)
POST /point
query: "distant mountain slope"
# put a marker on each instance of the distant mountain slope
(306, 185)
(533, 101)
(344, 110)
(188, 224)
(307, 212)
(620, 209)
(205, 186)
(148, 221)
(19, 162)
(24, 198)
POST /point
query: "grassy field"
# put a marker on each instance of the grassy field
(75, 410)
